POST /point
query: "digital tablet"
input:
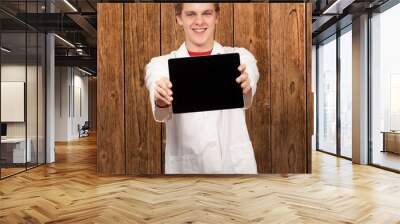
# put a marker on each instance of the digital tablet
(205, 83)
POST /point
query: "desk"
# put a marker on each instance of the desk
(391, 141)
(13, 150)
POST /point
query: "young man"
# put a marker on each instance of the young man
(211, 142)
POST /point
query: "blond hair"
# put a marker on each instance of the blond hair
(179, 7)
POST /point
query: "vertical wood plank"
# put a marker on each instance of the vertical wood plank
(172, 35)
(142, 42)
(288, 82)
(224, 30)
(252, 32)
(110, 91)
(310, 101)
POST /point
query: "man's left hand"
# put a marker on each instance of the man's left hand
(243, 79)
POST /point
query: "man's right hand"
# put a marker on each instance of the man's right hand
(163, 93)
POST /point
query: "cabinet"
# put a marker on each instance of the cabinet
(391, 142)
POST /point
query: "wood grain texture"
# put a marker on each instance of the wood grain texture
(70, 191)
(252, 32)
(110, 91)
(142, 42)
(172, 35)
(224, 30)
(279, 120)
(288, 83)
(310, 100)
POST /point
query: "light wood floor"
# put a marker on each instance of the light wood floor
(5, 172)
(69, 191)
(387, 159)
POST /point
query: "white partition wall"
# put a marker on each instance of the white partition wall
(71, 102)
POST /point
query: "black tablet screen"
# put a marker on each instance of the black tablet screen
(205, 83)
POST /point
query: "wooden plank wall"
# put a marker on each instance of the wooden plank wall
(110, 90)
(252, 33)
(277, 34)
(288, 84)
(310, 97)
(143, 145)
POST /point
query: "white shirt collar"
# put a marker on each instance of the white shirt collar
(183, 52)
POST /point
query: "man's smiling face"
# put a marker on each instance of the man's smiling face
(198, 21)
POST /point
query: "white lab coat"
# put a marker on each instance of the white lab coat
(210, 142)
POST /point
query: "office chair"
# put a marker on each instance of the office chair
(84, 130)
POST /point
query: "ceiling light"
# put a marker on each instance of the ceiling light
(5, 50)
(84, 71)
(337, 7)
(70, 5)
(65, 41)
